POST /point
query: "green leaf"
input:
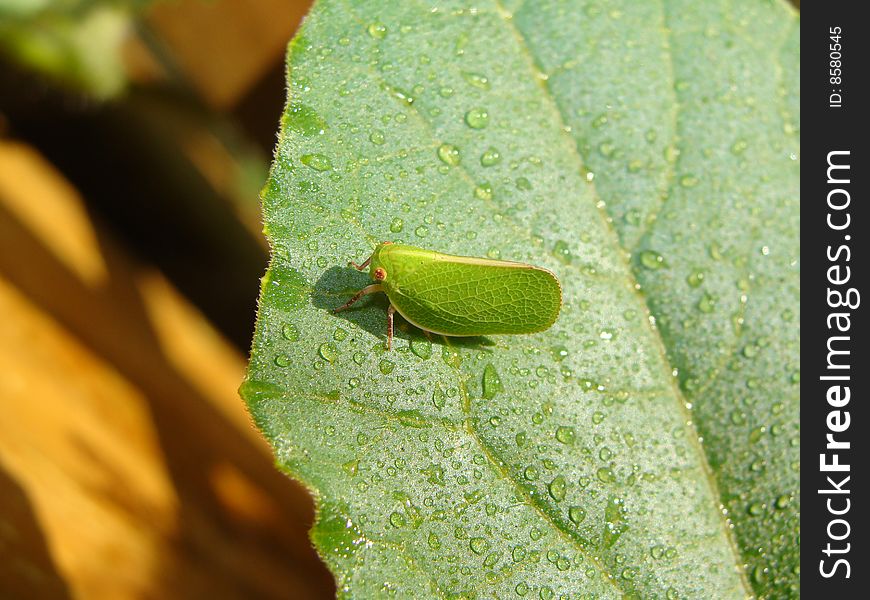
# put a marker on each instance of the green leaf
(647, 444)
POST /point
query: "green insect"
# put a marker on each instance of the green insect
(459, 295)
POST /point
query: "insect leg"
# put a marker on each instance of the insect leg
(390, 312)
(362, 266)
(369, 289)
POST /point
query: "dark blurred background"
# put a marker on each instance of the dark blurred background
(134, 139)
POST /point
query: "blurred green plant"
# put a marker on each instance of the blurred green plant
(648, 153)
(74, 42)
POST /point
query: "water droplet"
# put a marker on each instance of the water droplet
(478, 545)
(614, 519)
(739, 147)
(651, 259)
(477, 80)
(490, 157)
(559, 352)
(377, 31)
(750, 350)
(438, 398)
(606, 149)
(421, 347)
(576, 514)
(707, 303)
(397, 519)
(546, 593)
(328, 351)
(531, 473)
(782, 501)
(605, 475)
(491, 382)
(688, 181)
(558, 488)
(523, 184)
(290, 332)
(565, 434)
(695, 279)
(449, 154)
(386, 366)
(377, 137)
(562, 251)
(282, 360)
(758, 574)
(599, 121)
(597, 417)
(483, 191)
(318, 162)
(755, 509)
(522, 588)
(477, 118)
(304, 120)
(396, 225)
(421, 231)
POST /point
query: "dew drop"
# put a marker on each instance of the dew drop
(396, 225)
(421, 347)
(739, 147)
(562, 251)
(523, 184)
(328, 351)
(490, 157)
(282, 360)
(695, 279)
(576, 514)
(290, 332)
(377, 137)
(449, 154)
(438, 398)
(559, 352)
(477, 118)
(707, 303)
(318, 162)
(565, 434)
(397, 519)
(491, 382)
(651, 259)
(483, 191)
(478, 545)
(377, 30)
(558, 488)
(477, 80)
(689, 181)
(605, 475)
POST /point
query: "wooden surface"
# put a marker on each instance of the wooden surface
(128, 465)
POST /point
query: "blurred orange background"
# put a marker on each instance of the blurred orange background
(130, 257)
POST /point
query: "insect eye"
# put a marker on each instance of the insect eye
(380, 274)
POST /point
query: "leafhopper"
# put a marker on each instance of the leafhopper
(460, 295)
